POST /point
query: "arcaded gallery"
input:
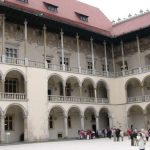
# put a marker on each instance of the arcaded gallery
(64, 66)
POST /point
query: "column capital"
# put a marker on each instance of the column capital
(82, 116)
(77, 36)
(61, 32)
(2, 116)
(91, 39)
(25, 22)
(121, 42)
(44, 27)
(104, 42)
(137, 37)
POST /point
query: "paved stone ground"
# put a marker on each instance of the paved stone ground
(95, 144)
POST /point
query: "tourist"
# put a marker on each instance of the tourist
(141, 141)
(122, 135)
(118, 134)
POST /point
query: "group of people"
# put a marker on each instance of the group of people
(138, 138)
(116, 133)
(87, 134)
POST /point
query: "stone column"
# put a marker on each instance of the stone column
(3, 89)
(139, 53)
(2, 125)
(95, 95)
(82, 122)
(25, 42)
(110, 122)
(25, 89)
(25, 128)
(106, 63)
(3, 38)
(64, 90)
(62, 49)
(123, 61)
(66, 126)
(78, 52)
(142, 88)
(113, 57)
(92, 50)
(80, 87)
(44, 30)
(97, 123)
(145, 120)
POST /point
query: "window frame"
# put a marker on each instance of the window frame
(9, 123)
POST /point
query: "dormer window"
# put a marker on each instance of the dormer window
(51, 7)
(82, 17)
(24, 1)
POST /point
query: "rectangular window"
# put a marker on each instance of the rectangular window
(104, 67)
(11, 86)
(11, 52)
(82, 17)
(51, 122)
(90, 65)
(24, 1)
(51, 7)
(66, 61)
(9, 123)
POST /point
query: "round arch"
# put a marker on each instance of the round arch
(57, 75)
(135, 116)
(128, 81)
(17, 70)
(92, 108)
(76, 107)
(148, 76)
(76, 78)
(60, 107)
(103, 81)
(25, 113)
(87, 78)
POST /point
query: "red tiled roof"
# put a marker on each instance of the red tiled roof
(133, 24)
(97, 21)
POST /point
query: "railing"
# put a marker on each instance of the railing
(13, 96)
(16, 61)
(102, 100)
(135, 99)
(55, 98)
(70, 99)
(36, 64)
(146, 69)
(132, 71)
(72, 69)
(54, 67)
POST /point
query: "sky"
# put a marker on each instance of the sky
(115, 9)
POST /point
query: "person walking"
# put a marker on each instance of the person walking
(141, 142)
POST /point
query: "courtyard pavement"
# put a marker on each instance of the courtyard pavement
(95, 144)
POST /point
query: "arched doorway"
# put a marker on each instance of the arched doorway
(90, 119)
(56, 123)
(72, 87)
(102, 95)
(14, 82)
(55, 88)
(14, 124)
(104, 118)
(136, 117)
(74, 122)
